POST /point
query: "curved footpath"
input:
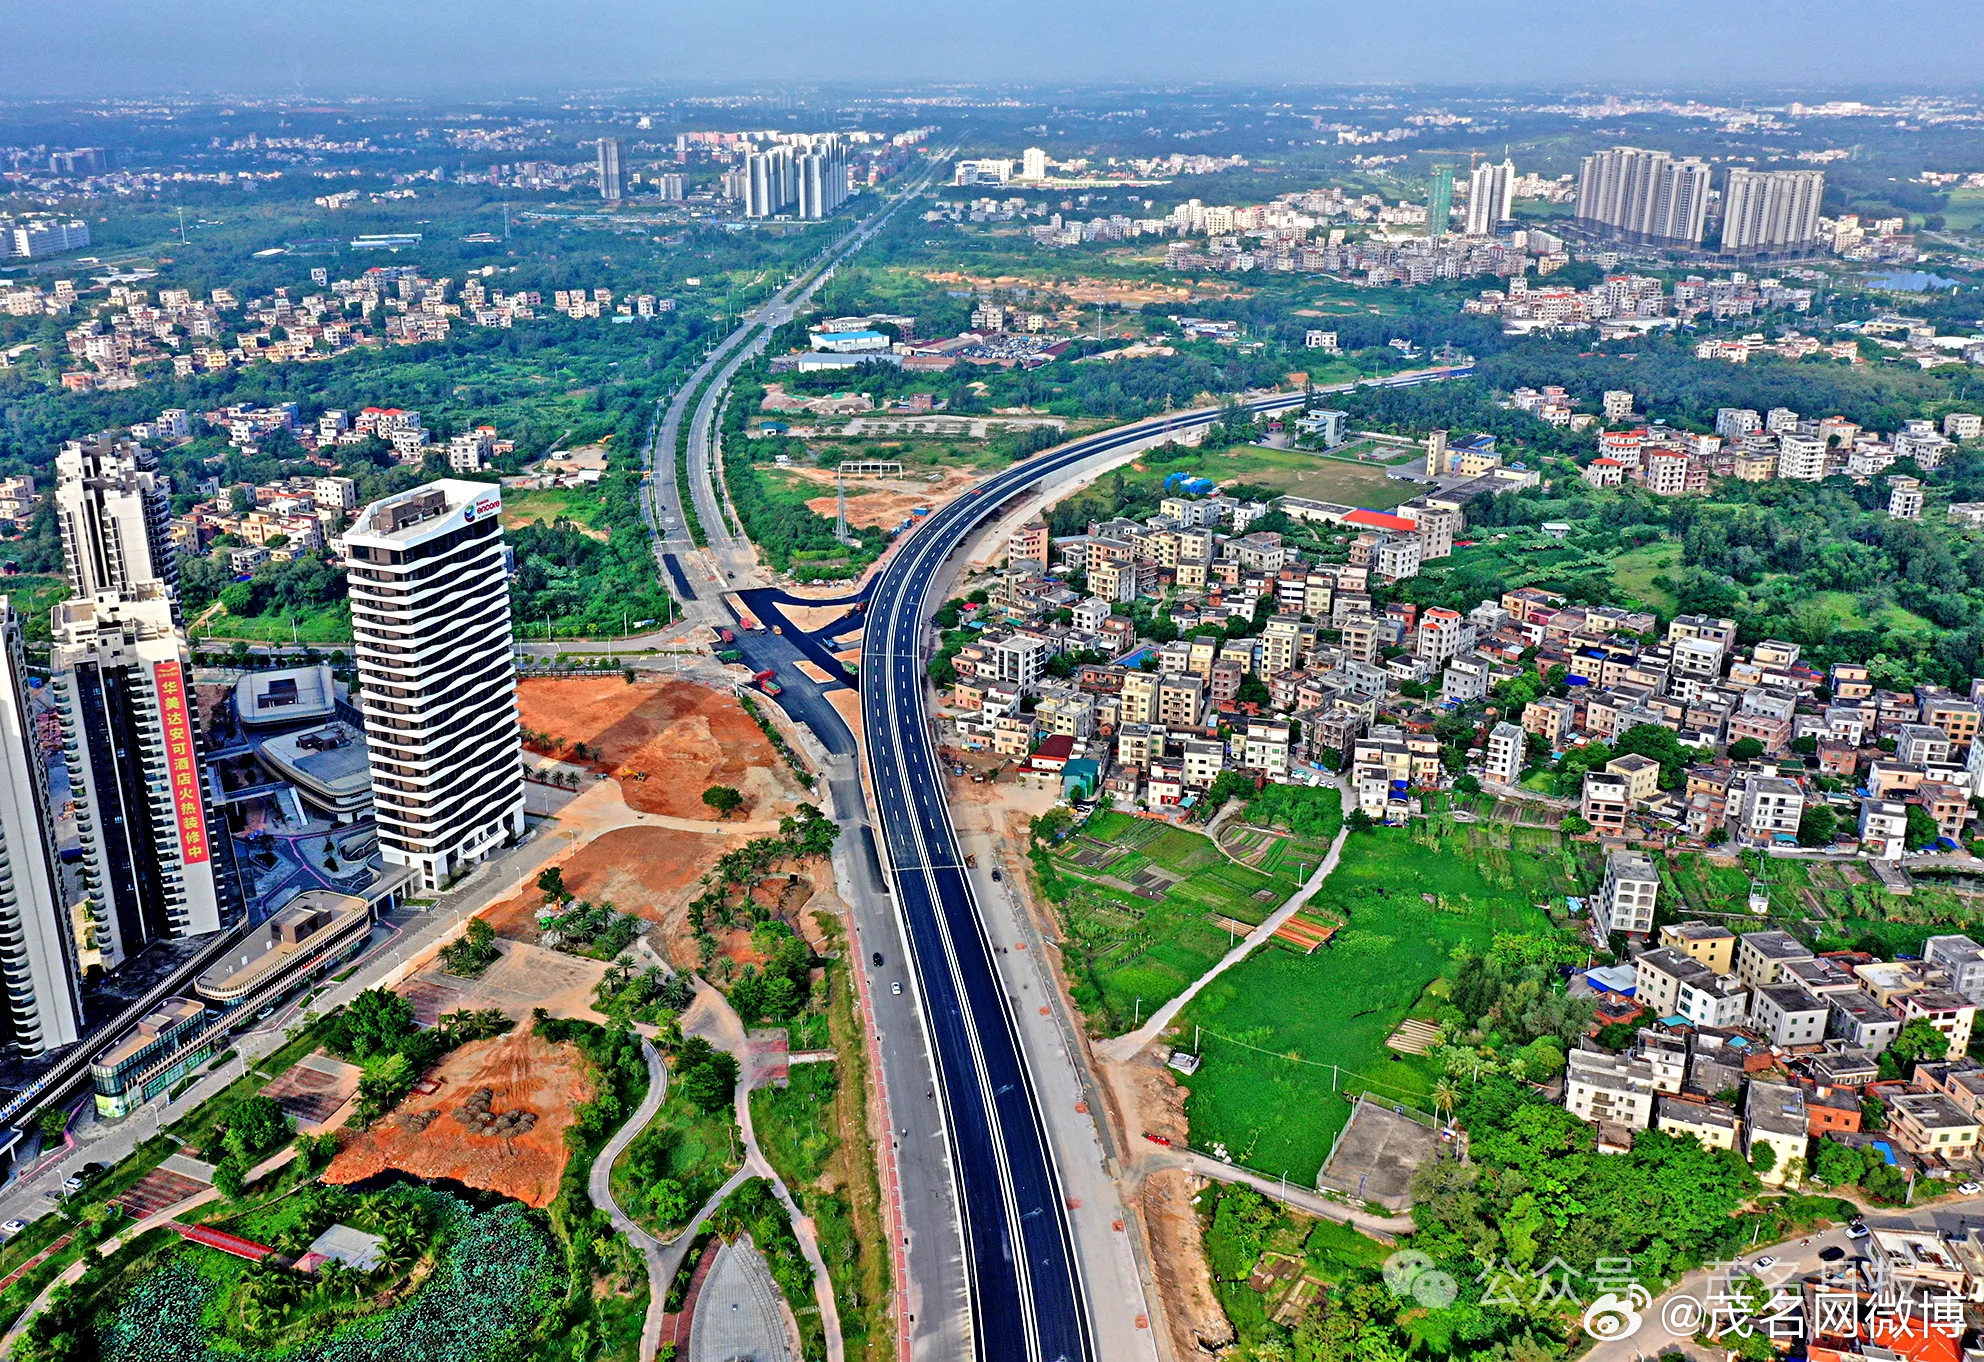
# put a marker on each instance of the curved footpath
(599, 1185)
(1125, 1047)
(710, 1017)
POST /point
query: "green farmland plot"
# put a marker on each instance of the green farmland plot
(1274, 1025)
(1145, 909)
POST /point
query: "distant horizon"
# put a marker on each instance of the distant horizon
(744, 92)
(217, 49)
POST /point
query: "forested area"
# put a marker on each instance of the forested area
(793, 537)
(1668, 382)
(1817, 564)
(519, 379)
(584, 584)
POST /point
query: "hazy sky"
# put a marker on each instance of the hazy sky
(329, 47)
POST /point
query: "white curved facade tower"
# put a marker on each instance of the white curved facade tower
(430, 616)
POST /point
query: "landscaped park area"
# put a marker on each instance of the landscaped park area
(498, 1067)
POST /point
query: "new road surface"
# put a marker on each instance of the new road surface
(1025, 1282)
(728, 558)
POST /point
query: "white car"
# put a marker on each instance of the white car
(72, 1184)
(1971, 1188)
(13, 1227)
(1856, 1231)
(895, 987)
(1764, 1264)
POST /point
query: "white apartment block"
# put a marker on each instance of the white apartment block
(1801, 458)
(1505, 753)
(1675, 984)
(1904, 498)
(1625, 900)
(1398, 557)
(1021, 658)
(38, 965)
(1787, 1014)
(430, 611)
(1267, 750)
(1762, 956)
(1601, 1087)
(1772, 807)
(1960, 958)
(1774, 1115)
(115, 511)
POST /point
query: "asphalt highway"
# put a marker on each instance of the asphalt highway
(1026, 1290)
(728, 558)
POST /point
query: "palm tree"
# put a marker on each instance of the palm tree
(1444, 1097)
(397, 1253)
(255, 1308)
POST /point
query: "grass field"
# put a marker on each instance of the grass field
(1132, 952)
(32, 598)
(330, 625)
(1635, 569)
(702, 1149)
(580, 505)
(1274, 1026)
(1966, 210)
(1844, 608)
(1301, 473)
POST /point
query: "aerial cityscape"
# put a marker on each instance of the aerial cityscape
(1125, 698)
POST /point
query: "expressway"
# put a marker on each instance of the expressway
(1026, 1292)
(729, 556)
(1019, 1288)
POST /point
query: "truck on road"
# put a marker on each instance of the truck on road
(765, 682)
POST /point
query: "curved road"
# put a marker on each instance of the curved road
(1026, 1298)
(727, 553)
(1023, 1296)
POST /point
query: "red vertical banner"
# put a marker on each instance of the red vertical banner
(176, 721)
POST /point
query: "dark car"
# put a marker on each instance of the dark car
(1831, 1254)
(876, 957)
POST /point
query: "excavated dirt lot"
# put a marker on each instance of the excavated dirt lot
(885, 502)
(649, 871)
(1199, 1328)
(682, 736)
(522, 1073)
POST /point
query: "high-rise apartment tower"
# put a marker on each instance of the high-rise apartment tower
(430, 615)
(1772, 212)
(115, 511)
(1491, 197)
(156, 861)
(612, 170)
(1440, 201)
(38, 965)
(1646, 197)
